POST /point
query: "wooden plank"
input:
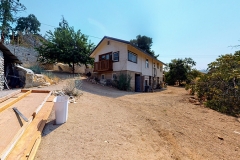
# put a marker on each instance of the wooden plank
(41, 105)
(2, 99)
(15, 139)
(11, 124)
(24, 147)
(35, 148)
(36, 91)
(14, 101)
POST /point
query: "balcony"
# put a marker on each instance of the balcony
(103, 65)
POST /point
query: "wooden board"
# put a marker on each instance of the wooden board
(12, 126)
(14, 100)
(2, 99)
(27, 144)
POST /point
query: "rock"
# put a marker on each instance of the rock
(219, 137)
(197, 103)
(46, 84)
(238, 119)
(192, 100)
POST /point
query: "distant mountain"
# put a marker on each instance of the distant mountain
(203, 71)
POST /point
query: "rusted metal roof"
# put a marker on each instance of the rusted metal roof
(11, 58)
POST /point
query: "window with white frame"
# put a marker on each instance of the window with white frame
(132, 57)
(102, 76)
(146, 64)
(116, 56)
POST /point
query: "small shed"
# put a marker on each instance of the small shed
(7, 63)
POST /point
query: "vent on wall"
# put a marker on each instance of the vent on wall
(108, 43)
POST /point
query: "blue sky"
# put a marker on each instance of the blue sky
(202, 30)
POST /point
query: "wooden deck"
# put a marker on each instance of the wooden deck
(104, 65)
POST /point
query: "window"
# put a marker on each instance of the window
(116, 56)
(132, 57)
(161, 69)
(102, 76)
(157, 65)
(105, 56)
(114, 76)
(147, 64)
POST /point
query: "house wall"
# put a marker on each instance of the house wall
(140, 66)
(113, 46)
(1, 71)
(129, 67)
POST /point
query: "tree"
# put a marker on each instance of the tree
(8, 10)
(29, 23)
(66, 46)
(220, 87)
(144, 43)
(179, 71)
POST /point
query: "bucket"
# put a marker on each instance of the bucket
(61, 109)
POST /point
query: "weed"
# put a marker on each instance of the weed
(73, 87)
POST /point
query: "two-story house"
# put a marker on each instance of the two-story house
(113, 56)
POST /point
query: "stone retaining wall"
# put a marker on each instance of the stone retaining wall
(28, 56)
(1, 71)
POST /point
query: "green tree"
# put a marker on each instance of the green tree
(8, 10)
(66, 46)
(29, 23)
(144, 43)
(179, 71)
(220, 87)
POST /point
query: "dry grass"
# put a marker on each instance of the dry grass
(73, 87)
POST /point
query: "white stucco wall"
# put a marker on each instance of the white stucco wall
(113, 47)
(123, 63)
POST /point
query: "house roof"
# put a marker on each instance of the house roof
(8, 54)
(126, 42)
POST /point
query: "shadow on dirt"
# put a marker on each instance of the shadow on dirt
(49, 127)
(108, 91)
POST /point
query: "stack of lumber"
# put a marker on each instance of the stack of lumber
(19, 139)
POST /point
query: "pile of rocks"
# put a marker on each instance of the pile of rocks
(194, 100)
(92, 80)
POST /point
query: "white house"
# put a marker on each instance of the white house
(113, 56)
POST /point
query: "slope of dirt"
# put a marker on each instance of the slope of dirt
(109, 124)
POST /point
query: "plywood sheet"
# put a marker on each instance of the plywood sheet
(32, 133)
(11, 123)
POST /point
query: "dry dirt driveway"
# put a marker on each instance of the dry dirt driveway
(109, 124)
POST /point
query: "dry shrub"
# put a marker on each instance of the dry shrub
(73, 87)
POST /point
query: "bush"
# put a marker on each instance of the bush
(123, 82)
(73, 87)
(220, 87)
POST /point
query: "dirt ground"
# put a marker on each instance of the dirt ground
(109, 124)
